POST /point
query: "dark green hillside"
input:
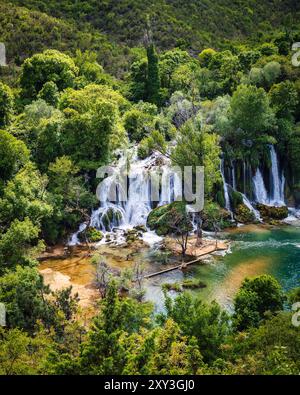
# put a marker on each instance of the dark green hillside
(191, 23)
(26, 32)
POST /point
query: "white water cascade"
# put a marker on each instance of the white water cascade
(74, 240)
(261, 194)
(131, 209)
(251, 208)
(278, 181)
(226, 193)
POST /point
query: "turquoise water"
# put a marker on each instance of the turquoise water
(253, 252)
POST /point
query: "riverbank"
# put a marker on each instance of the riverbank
(63, 267)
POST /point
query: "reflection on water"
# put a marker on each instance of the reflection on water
(254, 251)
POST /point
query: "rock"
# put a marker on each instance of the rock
(141, 228)
(132, 235)
(225, 220)
(244, 215)
(161, 218)
(111, 217)
(271, 213)
(93, 235)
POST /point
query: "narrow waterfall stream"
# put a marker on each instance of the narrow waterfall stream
(261, 194)
(226, 193)
(278, 181)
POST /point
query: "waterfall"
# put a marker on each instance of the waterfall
(126, 213)
(251, 208)
(233, 177)
(260, 191)
(74, 240)
(278, 182)
(226, 193)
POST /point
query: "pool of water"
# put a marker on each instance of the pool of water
(254, 251)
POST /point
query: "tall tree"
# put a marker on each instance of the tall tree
(153, 81)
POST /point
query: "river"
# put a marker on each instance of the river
(254, 250)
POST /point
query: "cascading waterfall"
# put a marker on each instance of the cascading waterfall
(247, 203)
(233, 177)
(74, 240)
(278, 181)
(126, 213)
(261, 194)
(226, 193)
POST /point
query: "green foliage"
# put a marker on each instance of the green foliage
(6, 105)
(103, 353)
(196, 147)
(13, 155)
(272, 213)
(138, 124)
(48, 66)
(25, 196)
(153, 80)
(163, 219)
(174, 24)
(284, 99)
(21, 354)
(23, 236)
(250, 111)
(256, 297)
(208, 324)
(154, 142)
(49, 93)
(23, 293)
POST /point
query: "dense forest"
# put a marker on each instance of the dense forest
(200, 83)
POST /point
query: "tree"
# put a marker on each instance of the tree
(180, 226)
(256, 297)
(103, 352)
(72, 201)
(51, 65)
(21, 354)
(284, 99)
(13, 155)
(206, 56)
(215, 217)
(173, 352)
(6, 105)
(250, 112)
(24, 294)
(169, 62)
(86, 137)
(19, 244)
(138, 124)
(208, 324)
(196, 147)
(49, 93)
(25, 196)
(153, 81)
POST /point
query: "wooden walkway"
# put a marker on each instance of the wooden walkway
(182, 265)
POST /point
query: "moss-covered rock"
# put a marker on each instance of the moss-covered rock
(236, 199)
(132, 235)
(111, 218)
(244, 215)
(161, 218)
(224, 219)
(270, 213)
(140, 228)
(92, 234)
(193, 283)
